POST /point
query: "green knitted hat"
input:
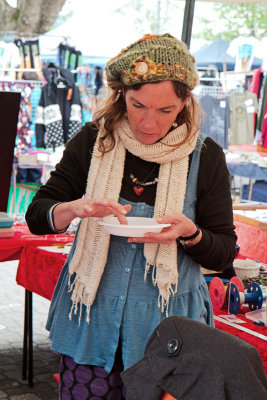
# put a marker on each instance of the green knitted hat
(153, 58)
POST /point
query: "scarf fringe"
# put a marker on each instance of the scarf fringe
(77, 297)
(169, 289)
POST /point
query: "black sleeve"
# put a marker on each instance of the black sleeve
(214, 214)
(66, 183)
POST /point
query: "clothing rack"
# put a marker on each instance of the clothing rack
(215, 91)
(11, 35)
(33, 83)
(20, 69)
(6, 80)
(22, 82)
(27, 69)
(250, 72)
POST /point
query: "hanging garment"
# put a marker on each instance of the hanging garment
(85, 85)
(25, 140)
(61, 55)
(217, 119)
(264, 127)
(244, 49)
(256, 81)
(255, 87)
(58, 116)
(242, 109)
(262, 120)
(9, 58)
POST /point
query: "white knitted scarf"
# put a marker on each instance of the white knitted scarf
(104, 181)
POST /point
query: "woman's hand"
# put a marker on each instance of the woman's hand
(64, 213)
(180, 226)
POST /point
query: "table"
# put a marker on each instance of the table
(38, 272)
(11, 248)
(39, 269)
(252, 241)
(54, 262)
(16, 247)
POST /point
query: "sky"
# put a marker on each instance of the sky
(96, 29)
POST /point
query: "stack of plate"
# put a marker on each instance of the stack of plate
(6, 225)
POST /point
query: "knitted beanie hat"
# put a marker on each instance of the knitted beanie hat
(153, 58)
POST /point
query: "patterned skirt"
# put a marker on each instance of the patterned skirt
(84, 382)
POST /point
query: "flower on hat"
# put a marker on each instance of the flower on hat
(143, 65)
(141, 68)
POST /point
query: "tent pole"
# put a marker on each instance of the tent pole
(188, 21)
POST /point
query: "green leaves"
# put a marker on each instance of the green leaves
(239, 19)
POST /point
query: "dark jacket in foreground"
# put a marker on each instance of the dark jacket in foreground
(193, 361)
(214, 215)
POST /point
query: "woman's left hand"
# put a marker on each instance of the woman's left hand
(180, 226)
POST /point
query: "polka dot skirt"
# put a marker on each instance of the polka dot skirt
(83, 382)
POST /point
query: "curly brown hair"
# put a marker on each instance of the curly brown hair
(114, 109)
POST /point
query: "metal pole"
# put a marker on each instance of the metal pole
(188, 21)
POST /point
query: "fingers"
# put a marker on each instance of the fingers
(84, 208)
(122, 217)
(118, 210)
(180, 224)
(105, 207)
(149, 240)
(166, 236)
(127, 207)
(170, 219)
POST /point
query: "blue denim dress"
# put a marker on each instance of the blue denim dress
(126, 305)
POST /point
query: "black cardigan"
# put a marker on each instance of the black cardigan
(214, 215)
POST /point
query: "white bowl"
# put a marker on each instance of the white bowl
(136, 227)
(246, 268)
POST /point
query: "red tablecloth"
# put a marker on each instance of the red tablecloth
(252, 241)
(38, 271)
(11, 248)
(260, 344)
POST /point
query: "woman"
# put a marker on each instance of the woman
(143, 157)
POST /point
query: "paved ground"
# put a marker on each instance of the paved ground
(46, 362)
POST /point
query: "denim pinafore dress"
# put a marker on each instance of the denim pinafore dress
(126, 305)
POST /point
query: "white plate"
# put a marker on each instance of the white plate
(137, 226)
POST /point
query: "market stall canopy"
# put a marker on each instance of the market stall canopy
(215, 53)
(92, 42)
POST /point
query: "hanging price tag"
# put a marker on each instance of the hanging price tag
(250, 109)
(248, 102)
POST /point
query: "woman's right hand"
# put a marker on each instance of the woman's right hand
(64, 213)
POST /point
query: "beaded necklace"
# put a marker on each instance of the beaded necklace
(139, 186)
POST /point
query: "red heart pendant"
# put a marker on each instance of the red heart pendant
(138, 190)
